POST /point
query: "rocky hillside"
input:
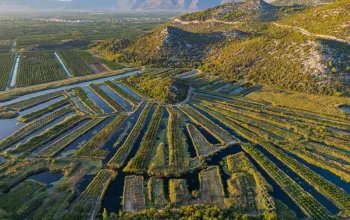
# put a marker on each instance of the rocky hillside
(305, 51)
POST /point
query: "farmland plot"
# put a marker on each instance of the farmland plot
(6, 63)
(211, 127)
(178, 148)
(133, 196)
(247, 188)
(93, 194)
(39, 67)
(212, 190)
(156, 192)
(106, 98)
(203, 147)
(62, 143)
(32, 127)
(87, 101)
(123, 152)
(31, 102)
(139, 164)
(74, 63)
(92, 149)
(178, 192)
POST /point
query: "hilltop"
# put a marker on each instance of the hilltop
(233, 11)
(257, 42)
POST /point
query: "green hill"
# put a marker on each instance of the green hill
(296, 49)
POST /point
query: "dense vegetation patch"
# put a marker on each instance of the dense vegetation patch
(168, 89)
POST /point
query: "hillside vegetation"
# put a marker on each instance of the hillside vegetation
(330, 19)
(300, 2)
(287, 47)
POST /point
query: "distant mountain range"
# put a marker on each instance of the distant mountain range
(115, 4)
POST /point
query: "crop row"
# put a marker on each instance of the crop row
(38, 113)
(106, 98)
(215, 86)
(159, 161)
(92, 196)
(13, 172)
(210, 126)
(259, 124)
(87, 101)
(305, 201)
(156, 194)
(262, 118)
(298, 115)
(129, 98)
(35, 142)
(54, 207)
(203, 82)
(133, 195)
(232, 87)
(7, 115)
(310, 131)
(74, 63)
(328, 189)
(178, 192)
(249, 90)
(139, 164)
(240, 164)
(65, 141)
(86, 56)
(111, 65)
(178, 148)
(201, 144)
(39, 67)
(33, 127)
(123, 152)
(211, 188)
(339, 169)
(326, 150)
(241, 190)
(31, 102)
(6, 63)
(93, 147)
(13, 200)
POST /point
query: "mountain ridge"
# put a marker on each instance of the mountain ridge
(115, 4)
(241, 41)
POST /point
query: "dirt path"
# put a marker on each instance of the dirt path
(187, 97)
(307, 33)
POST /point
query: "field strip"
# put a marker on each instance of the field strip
(23, 93)
(65, 141)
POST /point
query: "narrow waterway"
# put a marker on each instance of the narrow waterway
(116, 97)
(35, 94)
(345, 109)
(64, 67)
(14, 72)
(127, 90)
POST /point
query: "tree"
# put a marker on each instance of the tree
(105, 214)
(334, 70)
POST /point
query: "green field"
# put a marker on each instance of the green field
(39, 67)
